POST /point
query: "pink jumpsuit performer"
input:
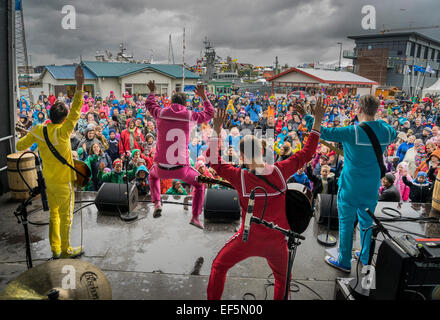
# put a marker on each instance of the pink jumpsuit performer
(171, 160)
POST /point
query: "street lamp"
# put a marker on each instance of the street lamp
(340, 52)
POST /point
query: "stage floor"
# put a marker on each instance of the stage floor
(153, 258)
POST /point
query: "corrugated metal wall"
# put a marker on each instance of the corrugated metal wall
(7, 88)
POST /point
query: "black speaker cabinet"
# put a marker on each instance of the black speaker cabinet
(221, 205)
(112, 198)
(400, 276)
(325, 210)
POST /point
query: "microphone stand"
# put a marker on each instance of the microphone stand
(326, 239)
(21, 214)
(376, 229)
(292, 244)
(129, 215)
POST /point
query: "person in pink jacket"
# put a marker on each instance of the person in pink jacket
(105, 108)
(402, 170)
(171, 160)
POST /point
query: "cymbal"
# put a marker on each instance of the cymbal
(63, 279)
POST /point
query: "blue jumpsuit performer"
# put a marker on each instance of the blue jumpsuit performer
(360, 178)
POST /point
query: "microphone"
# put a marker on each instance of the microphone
(249, 214)
(41, 184)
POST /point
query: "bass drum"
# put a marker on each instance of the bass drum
(298, 207)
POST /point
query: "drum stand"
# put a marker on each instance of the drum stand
(292, 244)
(21, 214)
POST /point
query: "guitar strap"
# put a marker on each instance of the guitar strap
(269, 183)
(376, 146)
(57, 154)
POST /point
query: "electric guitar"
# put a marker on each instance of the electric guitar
(83, 173)
(207, 180)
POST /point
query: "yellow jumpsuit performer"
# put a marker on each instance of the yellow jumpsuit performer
(59, 178)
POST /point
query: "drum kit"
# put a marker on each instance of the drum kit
(61, 279)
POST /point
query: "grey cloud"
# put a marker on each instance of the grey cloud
(254, 31)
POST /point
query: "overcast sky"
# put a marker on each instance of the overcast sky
(254, 31)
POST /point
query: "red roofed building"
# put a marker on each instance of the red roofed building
(312, 80)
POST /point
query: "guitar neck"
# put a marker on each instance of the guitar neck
(330, 146)
(204, 179)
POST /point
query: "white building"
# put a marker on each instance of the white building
(103, 77)
(308, 79)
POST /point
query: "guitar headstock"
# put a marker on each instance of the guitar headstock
(21, 129)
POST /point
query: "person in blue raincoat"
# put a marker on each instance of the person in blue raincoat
(253, 110)
(284, 133)
(23, 104)
(360, 178)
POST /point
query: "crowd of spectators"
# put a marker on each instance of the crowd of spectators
(116, 137)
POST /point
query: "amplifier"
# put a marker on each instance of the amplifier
(221, 205)
(112, 198)
(408, 269)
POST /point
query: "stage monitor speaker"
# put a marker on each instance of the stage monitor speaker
(221, 205)
(323, 210)
(402, 275)
(112, 198)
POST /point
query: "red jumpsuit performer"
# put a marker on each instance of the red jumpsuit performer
(262, 241)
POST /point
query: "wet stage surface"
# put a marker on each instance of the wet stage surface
(155, 258)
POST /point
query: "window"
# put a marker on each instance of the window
(178, 87)
(129, 88)
(140, 88)
(162, 88)
(432, 54)
(418, 49)
(425, 56)
(412, 50)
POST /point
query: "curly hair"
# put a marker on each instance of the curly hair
(179, 98)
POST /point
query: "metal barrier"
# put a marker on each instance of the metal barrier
(10, 145)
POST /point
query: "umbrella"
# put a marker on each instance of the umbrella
(299, 94)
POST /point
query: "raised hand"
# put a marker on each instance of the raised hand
(318, 111)
(79, 77)
(218, 120)
(200, 91)
(300, 109)
(152, 86)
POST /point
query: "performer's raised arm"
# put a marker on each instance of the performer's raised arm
(208, 112)
(289, 166)
(329, 134)
(151, 104)
(75, 111)
(225, 170)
